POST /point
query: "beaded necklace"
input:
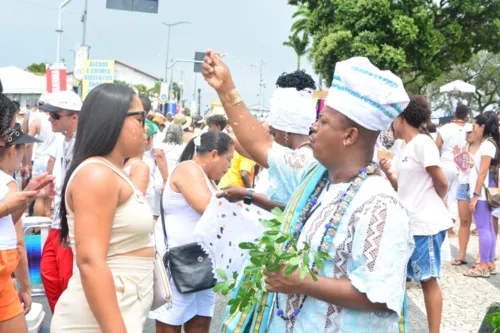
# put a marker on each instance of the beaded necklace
(331, 227)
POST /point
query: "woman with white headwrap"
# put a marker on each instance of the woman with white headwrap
(292, 113)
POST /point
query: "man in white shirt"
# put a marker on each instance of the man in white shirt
(56, 266)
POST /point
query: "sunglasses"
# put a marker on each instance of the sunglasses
(56, 116)
(137, 113)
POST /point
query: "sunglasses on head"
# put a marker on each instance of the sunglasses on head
(137, 113)
(56, 116)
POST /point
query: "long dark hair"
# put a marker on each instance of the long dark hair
(213, 140)
(99, 126)
(490, 122)
(7, 112)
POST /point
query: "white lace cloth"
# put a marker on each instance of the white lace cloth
(223, 227)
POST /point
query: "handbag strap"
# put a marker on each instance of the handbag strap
(162, 214)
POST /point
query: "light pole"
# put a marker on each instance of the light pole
(170, 25)
(60, 30)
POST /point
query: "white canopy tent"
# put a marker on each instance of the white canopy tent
(458, 86)
(16, 81)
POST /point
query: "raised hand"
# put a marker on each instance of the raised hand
(216, 73)
(41, 181)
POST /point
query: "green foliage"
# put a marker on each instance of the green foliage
(37, 68)
(266, 255)
(142, 90)
(417, 39)
(187, 112)
(299, 45)
(493, 319)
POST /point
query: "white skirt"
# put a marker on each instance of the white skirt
(185, 307)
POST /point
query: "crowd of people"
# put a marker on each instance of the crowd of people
(369, 180)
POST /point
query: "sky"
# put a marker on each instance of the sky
(248, 31)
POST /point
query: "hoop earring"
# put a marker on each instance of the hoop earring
(286, 138)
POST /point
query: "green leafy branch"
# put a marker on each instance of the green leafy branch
(493, 319)
(266, 254)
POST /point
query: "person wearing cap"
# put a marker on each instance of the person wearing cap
(56, 266)
(185, 122)
(366, 235)
(38, 158)
(13, 204)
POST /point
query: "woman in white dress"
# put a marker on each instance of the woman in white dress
(187, 194)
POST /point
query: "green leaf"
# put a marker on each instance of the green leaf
(225, 289)
(273, 267)
(290, 269)
(271, 233)
(219, 286)
(281, 239)
(235, 276)
(255, 261)
(233, 309)
(306, 259)
(320, 265)
(220, 272)
(295, 261)
(303, 272)
(287, 256)
(277, 212)
(247, 246)
(314, 277)
(324, 255)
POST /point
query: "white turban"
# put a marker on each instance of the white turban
(292, 111)
(368, 96)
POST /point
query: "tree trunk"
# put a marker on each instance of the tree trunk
(298, 62)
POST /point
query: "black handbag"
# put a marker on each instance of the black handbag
(189, 266)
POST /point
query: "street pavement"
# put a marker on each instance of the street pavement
(465, 300)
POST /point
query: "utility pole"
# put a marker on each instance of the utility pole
(60, 30)
(199, 101)
(170, 25)
(84, 21)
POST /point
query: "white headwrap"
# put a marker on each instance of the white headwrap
(368, 96)
(292, 111)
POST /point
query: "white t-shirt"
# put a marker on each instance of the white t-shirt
(453, 135)
(487, 148)
(427, 212)
(8, 237)
(149, 159)
(61, 166)
(43, 149)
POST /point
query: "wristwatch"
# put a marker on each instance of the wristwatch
(248, 197)
(476, 194)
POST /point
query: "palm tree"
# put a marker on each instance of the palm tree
(299, 45)
(300, 26)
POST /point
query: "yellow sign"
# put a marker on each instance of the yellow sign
(95, 73)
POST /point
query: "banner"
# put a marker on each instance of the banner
(56, 79)
(145, 6)
(81, 55)
(97, 72)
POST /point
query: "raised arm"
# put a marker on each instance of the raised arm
(251, 134)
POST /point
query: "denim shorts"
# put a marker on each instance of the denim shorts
(463, 192)
(425, 262)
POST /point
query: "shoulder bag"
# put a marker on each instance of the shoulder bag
(189, 266)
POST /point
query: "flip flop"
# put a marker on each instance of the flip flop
(458, 262)
(477, 272)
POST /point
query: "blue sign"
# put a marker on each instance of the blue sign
(172, 108)
(163, 97)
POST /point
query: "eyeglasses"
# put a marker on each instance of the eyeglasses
(137, 113)
(56, 116)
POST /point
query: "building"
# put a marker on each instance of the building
(128, 74)
(22, 86)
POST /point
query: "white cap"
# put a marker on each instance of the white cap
(63, 100)
(368, 96)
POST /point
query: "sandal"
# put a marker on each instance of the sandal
(474, 265)
(493, 270)
(477, 272)
(458, 262)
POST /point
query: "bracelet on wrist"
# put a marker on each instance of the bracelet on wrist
(6, 207)
(476, 194)
(233, 97)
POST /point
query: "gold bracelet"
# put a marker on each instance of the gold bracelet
(233, 97)
(6, 207)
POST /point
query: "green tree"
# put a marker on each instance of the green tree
(37, 68)
(299, 45)
(187, 112)
(142, 90)
(417, 39)
(300, 25)
(482, 71)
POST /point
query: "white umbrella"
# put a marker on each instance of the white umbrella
(458, 86)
